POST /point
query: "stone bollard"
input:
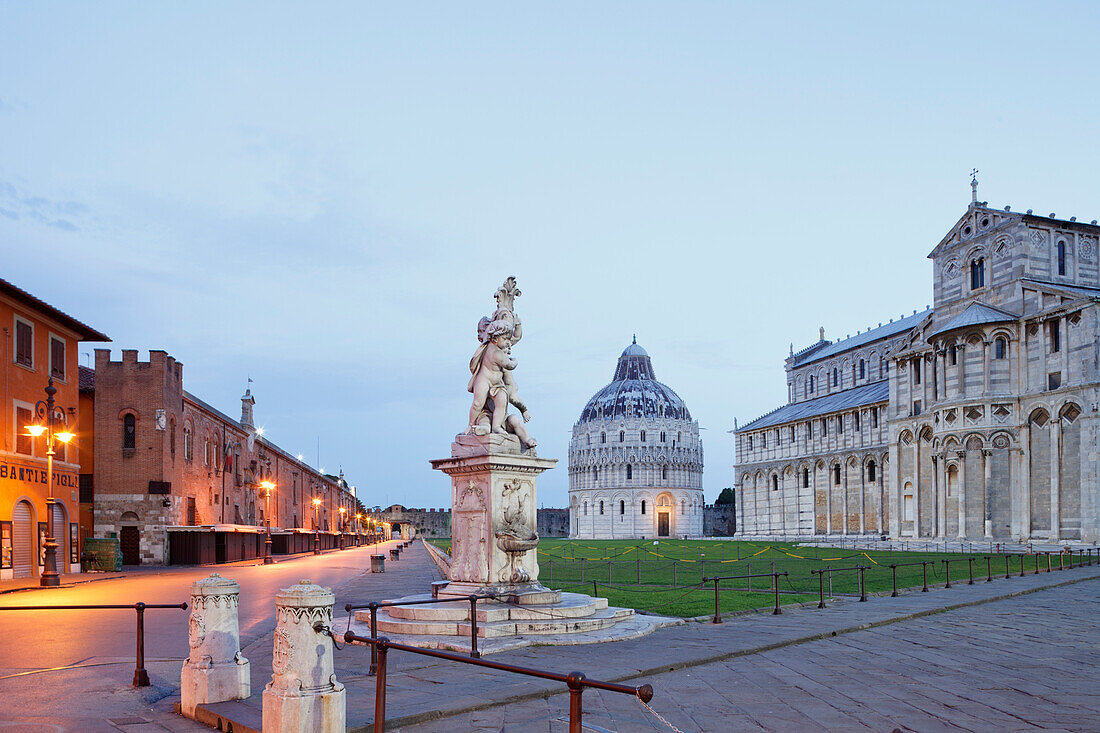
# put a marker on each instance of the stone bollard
(303, 694)
(214, 671)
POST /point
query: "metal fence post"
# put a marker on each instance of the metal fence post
(970, 562)
(141, 677)
(1007, 575)
(894, 569)
(1061, 561)
(988, 569)
(380, 687)
(717, 611)
(473, 628)
(924, 572)
(374, 635)
(576, 713)
(775, 586)
(820, 588)
(1022, 566)
(947, 569)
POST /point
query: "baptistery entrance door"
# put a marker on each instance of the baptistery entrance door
(662, 524)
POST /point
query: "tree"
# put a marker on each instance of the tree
(726, 497)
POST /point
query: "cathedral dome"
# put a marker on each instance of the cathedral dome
(635, 392)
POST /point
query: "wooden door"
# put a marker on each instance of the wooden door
(662, 524)
(129, 540)
(22, 541)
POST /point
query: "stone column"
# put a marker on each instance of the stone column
(916, 486)
(862, 498)
(303, 695)
(962, 492)
(214, 671)
(813, 485)
(960, 369)
(987, 464)
(1055, 479)
(943, 372)
(985, 366)
(895, 515)
(1025, 481)
(828, 499)
(939, 476)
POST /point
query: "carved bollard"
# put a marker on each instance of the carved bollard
(214, 671)
(303, 694)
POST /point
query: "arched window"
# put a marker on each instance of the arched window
(977, 273)
(836, 475)
(683, 506)
(805, 478)
(855, 416)
(643, 506)
(586, 509)
(836, 377)
(129, 432)
(853, 373)
(664, 472)
(750, 442)
(622, 507)
(999, 347)
(206, 452)
(603, 437)
(953, 354)
(792, 433)
(188, 443)
(862, 369)
(662, 436)
(629, 472)
(871, 471)
(840, 423)
(775, 482)
(811, 384)
(1061, 258)
(601, 508)
(643, 436)
(622, 436)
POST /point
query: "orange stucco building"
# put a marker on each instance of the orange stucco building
(38, 342)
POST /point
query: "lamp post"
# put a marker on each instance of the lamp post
(316, 527)
(343, 524)
(268, 486)
(358, 534)
(45, 411)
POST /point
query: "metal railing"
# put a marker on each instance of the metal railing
(141, 676)
(373, 607)
(576, 682)
(775, 587)
(859, 569)
(924, 573)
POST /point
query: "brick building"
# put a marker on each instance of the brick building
(178, 481)
(39, 342)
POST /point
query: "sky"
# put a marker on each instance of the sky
(324, 196)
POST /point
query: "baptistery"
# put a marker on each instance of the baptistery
(635, 459)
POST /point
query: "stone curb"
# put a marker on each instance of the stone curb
(397, 723)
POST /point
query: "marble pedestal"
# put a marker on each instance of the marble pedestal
(214, 671)
(493, 522)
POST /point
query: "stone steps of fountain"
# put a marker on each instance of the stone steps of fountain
(572, 605)
(548, 623)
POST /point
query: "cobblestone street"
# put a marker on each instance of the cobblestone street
(1023, 663)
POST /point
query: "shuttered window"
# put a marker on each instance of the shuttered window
(24, 344)
(57, 358)
(23, 442)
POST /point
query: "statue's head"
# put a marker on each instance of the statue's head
(500, 333)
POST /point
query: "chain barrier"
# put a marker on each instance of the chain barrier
(657, 715)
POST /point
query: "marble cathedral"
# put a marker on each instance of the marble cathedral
(976, 418)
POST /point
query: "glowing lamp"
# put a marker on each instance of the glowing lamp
(64, 436)
(36, 431)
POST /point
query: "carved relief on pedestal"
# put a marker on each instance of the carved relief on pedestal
(515, 534)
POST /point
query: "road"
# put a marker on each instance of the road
(102, 642)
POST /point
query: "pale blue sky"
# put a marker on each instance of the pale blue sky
(325, 196)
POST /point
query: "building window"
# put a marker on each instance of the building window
(824, 427)
(811, 384)
(916, 407)
(129, 432)
(622, 507)
(836, 377)
(601, 508)
(603, 437)
(916, 370)
(809, 430)
(1061, 258)
(775, 482)
(643, 506)
(629, 472)
(586, 509)
(1055, 337)
(792, 433)
(999, 348)
(874, 417)
(836, 475)
(588, 440)
(977, 273)
(862, 369)
(664, 472)
(643, 436)
(805, 478)
(662, 436)
(24, 343)
(763, 440)
(871, 471)
(839, 424)
(188, 443)
(57, 358)
(750, 442)
(622, 436)
(855, 417)
(953, 353)
(24, 443)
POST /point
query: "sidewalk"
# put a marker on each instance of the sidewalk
(422, 689)
(69, 579)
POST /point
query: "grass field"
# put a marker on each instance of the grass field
(666, 577)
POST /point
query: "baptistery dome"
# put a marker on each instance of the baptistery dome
(635, 459)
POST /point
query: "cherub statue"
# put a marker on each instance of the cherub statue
(491, 381)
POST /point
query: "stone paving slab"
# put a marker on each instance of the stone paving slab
(421, 689)
(1023, 663)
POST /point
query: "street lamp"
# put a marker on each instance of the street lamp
(48, 412)
(343, 516)
(316, 527)
(358, 535)
(268, 486)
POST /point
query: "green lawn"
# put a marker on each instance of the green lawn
(666, 577)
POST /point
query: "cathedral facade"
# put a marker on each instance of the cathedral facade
(635, 460)
(977, 418)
